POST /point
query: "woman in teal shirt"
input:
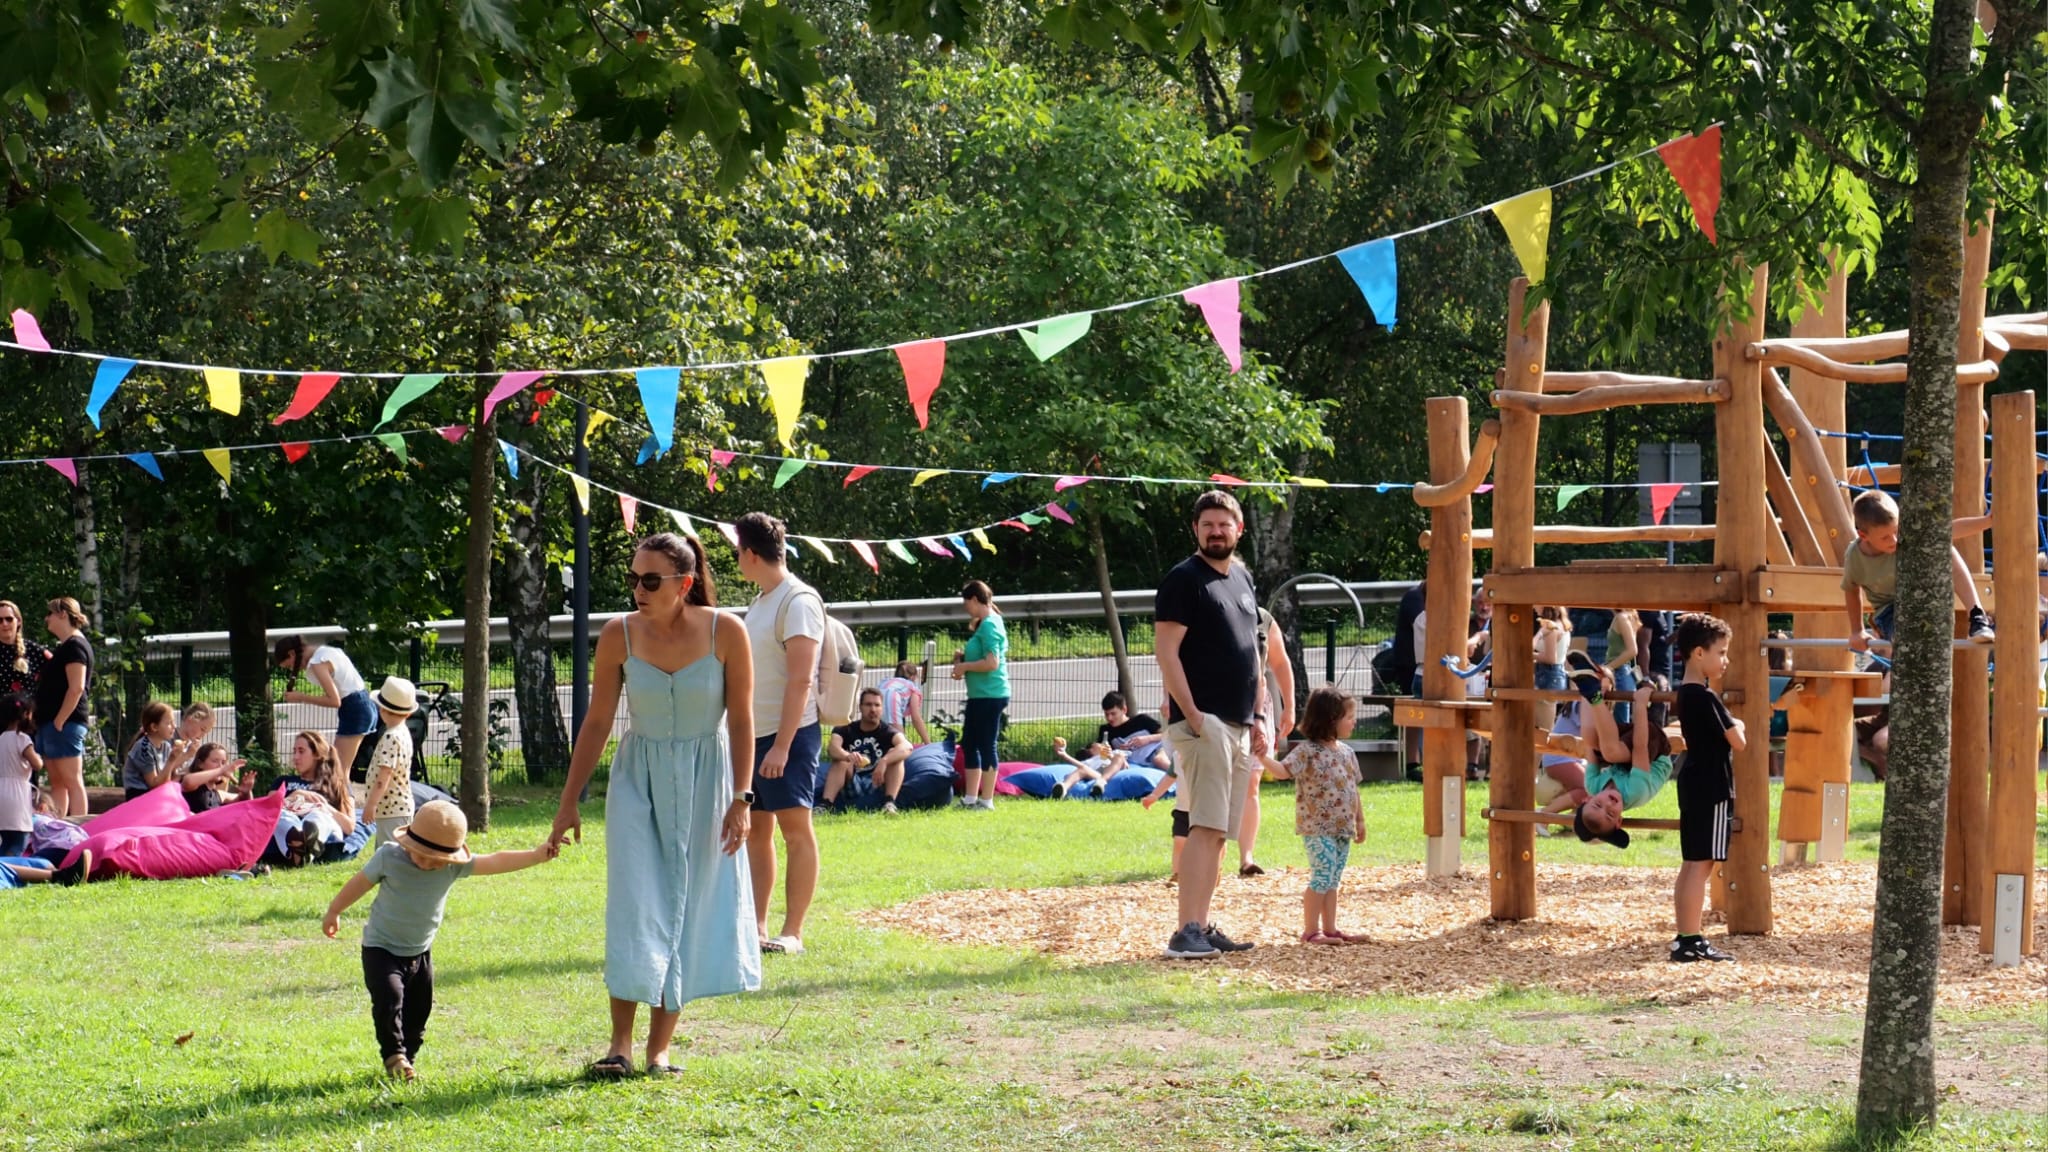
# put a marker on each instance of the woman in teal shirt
(984, 666)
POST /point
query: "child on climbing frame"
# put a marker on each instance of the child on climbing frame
(1871, 568)
(1630, 764)
(1706, 789)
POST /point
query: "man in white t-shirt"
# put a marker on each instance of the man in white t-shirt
(785, 628)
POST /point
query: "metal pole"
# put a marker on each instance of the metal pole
(1329, 651)
(185, 676)
(579, 595)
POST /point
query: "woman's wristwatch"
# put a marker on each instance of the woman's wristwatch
(746, 797)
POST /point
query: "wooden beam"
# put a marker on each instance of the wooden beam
(1962, 882)
(1477, 464)
(1967, 372)
(2032, 337)
(1590, 534)
(1607, 396)
(1511, 849)
(1798, 533)
(1564, 819)
(1824, 401)
(2016, 737)
(1557, 382)
(1835, 529)
(1878, 476)
(1845, 349)
(1680, 588)
(1448, 600)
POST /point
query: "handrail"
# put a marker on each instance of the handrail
(1604, 396)
(1438, 495)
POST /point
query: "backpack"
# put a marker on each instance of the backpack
(839, 665)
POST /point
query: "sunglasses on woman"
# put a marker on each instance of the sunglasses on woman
(651, 581)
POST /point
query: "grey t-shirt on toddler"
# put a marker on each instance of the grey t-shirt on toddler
(410, 899)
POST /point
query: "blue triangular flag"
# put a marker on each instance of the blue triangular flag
(1372, 266)
(961, 544)
(998, 478)
(511, 458)
(649, 449)
(147, 462)
(104, 383)
(658, 397)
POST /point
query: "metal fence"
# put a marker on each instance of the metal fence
(1060, 664)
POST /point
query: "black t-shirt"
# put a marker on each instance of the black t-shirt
(1120, 736)
(55, 682)
(1709, 773)
(1220, 654)
(872, 744)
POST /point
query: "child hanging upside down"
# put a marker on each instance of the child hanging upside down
(1631, 764)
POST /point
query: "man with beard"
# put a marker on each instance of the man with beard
(1206, 640)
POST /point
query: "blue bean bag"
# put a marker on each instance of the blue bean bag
(1133, 784)
(1036, 781)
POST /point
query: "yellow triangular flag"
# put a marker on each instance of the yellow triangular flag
(981, 538)
(1309, 482)
(582, 487)
(925, 475)
(597, 417)
(1527, 221)
(224, 389)
(785, 379)
(218, 457)
(822, 548)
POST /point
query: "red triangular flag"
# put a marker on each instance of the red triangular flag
(923, 363)
(540, 401)
(453, 433)
(1019, 525)
(859, 470)
(63, 464)
(295, 450)
(312, 390)
(629, 510)
(1695, 162)
(1224, 478)
(1661, 497)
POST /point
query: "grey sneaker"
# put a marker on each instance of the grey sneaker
(1222, 943)
(1191, 943)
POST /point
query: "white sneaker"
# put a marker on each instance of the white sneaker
(965, 802)
(986, 804)
(888, 807)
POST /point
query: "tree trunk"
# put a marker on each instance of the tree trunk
(1272, 529)
(246, 601)
(476, 616)
(1897, 1088)
(543, 741)
(1124, 683)
(85, 537)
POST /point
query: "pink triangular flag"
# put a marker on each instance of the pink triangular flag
(932, 546)
(1695, 162)
(1661, 497)
(1225, 478)
(924, 362)
(1066, 482)
(859, 470)
(295, 450)
(453, 433)
(1058, 513)
(1218, 301)
(313, 388)
(866, 553)
(29, 334)
(721, 457)
(731, 534)
(629, 510)
(60, 463)
(1482, 488)
(508, 385)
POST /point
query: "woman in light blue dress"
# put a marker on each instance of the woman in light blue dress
(679, 911)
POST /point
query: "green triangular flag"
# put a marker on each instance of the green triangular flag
(1056, 333)
(410, 389)
(1566, 493)
(1033, 518)
(789, 468)
(396, 443)
(902, 553)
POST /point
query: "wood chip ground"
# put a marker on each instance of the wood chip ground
(1601, 932)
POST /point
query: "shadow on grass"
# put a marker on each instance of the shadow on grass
(452, 975)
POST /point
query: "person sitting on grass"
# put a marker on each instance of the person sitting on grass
(205, 781)
(867, 747)
(412, 875)
(1632, 763)
(1328, 814)
(1120, 737)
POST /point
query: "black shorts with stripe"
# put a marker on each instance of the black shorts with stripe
(1703, 829)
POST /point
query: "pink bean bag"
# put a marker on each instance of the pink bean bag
(1007, 769)
(157, 837)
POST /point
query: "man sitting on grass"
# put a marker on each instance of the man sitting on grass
(1120, 737)
(867, 747)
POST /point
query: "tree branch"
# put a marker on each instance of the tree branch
(1835, 153)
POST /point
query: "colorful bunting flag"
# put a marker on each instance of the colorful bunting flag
(147, 462)
(658, 399)
(900, 552)
(1309, 482)
(994, 478)
(1055, 334)
(789, 468)
(918, 480)
(790, 550)
(105, 380)
(1020, 525)
(313, 388)
(453, 433)
(866, 553)
(508, 385)
(932, 546)
(823, 549)
(1527, 221)
(629, 511)
(721, 457)
(649, 449)
(218, 457)
(396, 443)
(64, 464)
(683, 524)
(28, 333)
(1373, 269)
(224, 390)
(1066, 482)
(960, 543)
(1695, 162)
(1482, 490)
(1219, 302)
(981, 538)
(511, 458)
(1059, 513)
(1225, 479)
(785, 380)
(540, 401)
(295, 450)
(858, 471)
(597, 418)
(1661, 498)
(731, 534)
(582, 486)
(1029, 518)
(924, 362)
(1566, 493)
(409, 389)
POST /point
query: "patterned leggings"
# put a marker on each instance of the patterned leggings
(1327, 856)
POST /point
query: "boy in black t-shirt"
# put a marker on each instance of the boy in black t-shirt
(1706, 786)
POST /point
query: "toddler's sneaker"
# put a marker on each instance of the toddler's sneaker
(1980, 628)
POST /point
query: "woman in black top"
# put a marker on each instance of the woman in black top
(60, 707)
(21, 663)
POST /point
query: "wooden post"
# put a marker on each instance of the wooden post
(1742, 516)
(1816, 716)
(1448, 602)
(2016, 740)
(1969, 712)
(1511, 848)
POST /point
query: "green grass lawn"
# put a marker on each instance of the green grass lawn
(877, 1039)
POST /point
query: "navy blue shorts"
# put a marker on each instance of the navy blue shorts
(358, 714)
(799, 780)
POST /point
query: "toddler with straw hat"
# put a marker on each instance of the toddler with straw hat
(412, 875)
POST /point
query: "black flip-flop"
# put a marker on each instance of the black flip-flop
(1251, 870)
(611, 1068)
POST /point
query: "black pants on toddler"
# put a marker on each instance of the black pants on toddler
(401, 999)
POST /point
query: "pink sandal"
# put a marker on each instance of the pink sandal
(1319, 938)
(1350, 937)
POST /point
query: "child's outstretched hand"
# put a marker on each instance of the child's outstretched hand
(1148, 801)
(331, 924)
(549, 849)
